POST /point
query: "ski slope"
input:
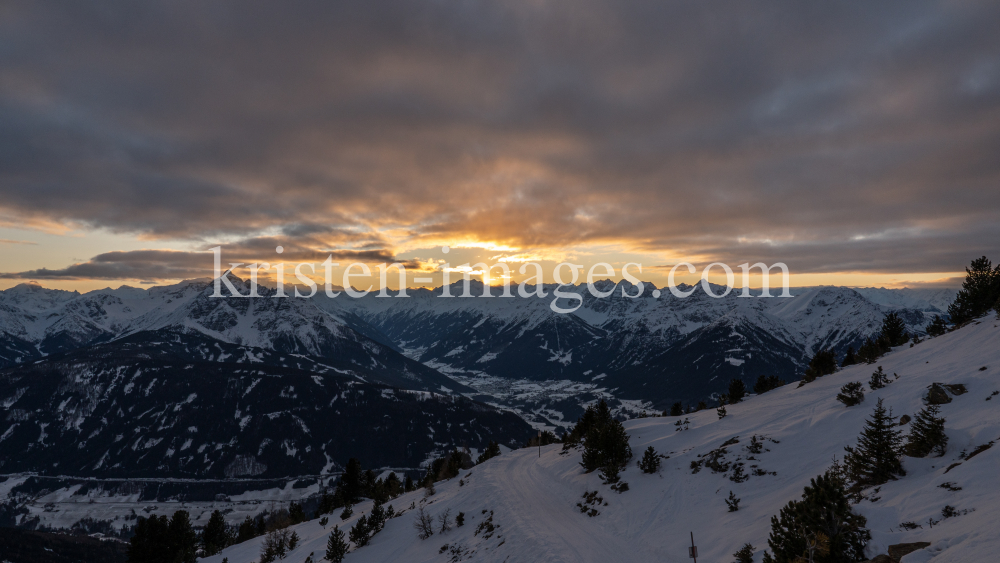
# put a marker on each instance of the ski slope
(533, 499)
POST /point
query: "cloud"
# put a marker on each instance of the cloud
(832, 137)
(9, 241)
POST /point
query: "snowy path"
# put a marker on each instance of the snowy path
(548, 526)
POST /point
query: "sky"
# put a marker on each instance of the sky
(855, 142)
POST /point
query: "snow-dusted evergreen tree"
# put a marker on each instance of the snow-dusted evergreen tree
(360, 533)
(745, 554)
(879, 379)
(927, 433)
(852, 394)
(821, 525)
(650, 462)
(875, 460)
(336, 546)
(733, 502)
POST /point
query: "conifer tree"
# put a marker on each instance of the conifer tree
(347, 512)
(215, 536)
(408, 484)
(721, 411)
(605, 441)
(336, 546)
(937, 326)
(295, 513)
(182, 540)
(650, 462)
(869, 351)
(894, 330)
(733, 502)
(849, 359)
(745, 554)
(851, 394)
(823, 363)
(767, 383)
(677, 409)
(736, 391)
(822, 524)
(980, 292)
(351, 482)
(875, 460)
(879, 379)
(360, 533)
(927, 433)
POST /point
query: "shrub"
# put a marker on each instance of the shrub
(852, 394)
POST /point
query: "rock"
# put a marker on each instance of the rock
(905, 419)
(956, 389)
(880, 559)
(896, 552)
(936, 395)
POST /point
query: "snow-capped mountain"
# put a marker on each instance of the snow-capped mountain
(529, 507)
(660, 349)
(35, 323)
(168, 404)
(655, 349)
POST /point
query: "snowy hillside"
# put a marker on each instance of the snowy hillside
(530, 502)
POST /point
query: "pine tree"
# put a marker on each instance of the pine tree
(849, 359)
(149, 540)
(879, 379)
(823, 363)
(293, 540)
(745, 554)
(875, 460)
(215, 536)
(247, 530)
(822, 524)
(351, 482)
(851, 394)
(336, 546)
(980, 292)
(732, 502)
(377, 518)
(767, 383)
(182, 539)
(927, 433)
(937, 326)
(347, 512)
(606, 444)
(870, 351)
(894, 330)
(295, 513)
(408, 484)
(677, 409)
(360, 533)
(650, 462)
(721, 411)
(460, 519)
(492, 450)
(736, 391)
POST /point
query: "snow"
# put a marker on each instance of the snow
(533, 499)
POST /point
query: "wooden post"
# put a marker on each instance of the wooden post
(539, 444)
(693, 550)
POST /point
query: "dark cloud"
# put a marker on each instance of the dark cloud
(834, 136)
(158, 265)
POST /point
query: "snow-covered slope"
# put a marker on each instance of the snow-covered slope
(531, 501)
